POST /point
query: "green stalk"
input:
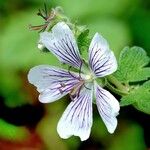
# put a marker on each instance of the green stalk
(117, 83)
(113, 89)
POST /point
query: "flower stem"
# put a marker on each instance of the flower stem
(117, 91)
(111, 80)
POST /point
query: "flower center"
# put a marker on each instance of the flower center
(88, 77)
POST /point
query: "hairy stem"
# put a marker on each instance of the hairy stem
(111, 80)
(117, 91)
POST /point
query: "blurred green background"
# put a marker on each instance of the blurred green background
(24, 122)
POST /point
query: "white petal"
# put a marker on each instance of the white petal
(77, 118)
(61, 42)
(101, 59)
(52, 83)
(108, 107)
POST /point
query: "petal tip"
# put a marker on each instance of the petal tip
(62, 132)
(45, 98)
(30, 75)
(111, 129)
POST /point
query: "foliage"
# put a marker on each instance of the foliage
(139, 97)
(132, 64)
(131, 71)
(122, 22)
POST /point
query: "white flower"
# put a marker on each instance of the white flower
(53, 83)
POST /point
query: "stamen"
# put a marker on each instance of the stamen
(39, 27)
(62, 85)
(60, 90)
(42, 15)
(88, 77)
(47, 16)
(79, 90)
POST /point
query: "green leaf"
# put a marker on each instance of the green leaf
(139, 97)
(83, 40)
(132, 64)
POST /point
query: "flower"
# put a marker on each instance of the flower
(53, 83)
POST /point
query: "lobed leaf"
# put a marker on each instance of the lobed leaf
(132, 65)
(140, 98)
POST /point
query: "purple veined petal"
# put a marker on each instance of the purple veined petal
(108, 107)
(61, 42)
(102, 60)
(52, 83)
(77, 119)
